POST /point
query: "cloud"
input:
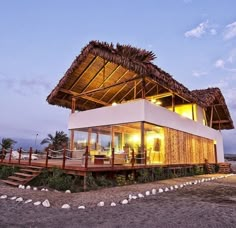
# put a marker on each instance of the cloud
(199, 73)
(220, 63)
(213, 31)
(198, 31)
(230, 31)
(24, 86)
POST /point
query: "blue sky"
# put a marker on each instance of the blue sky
(194, 41)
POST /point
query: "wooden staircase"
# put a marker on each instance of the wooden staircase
(23, 176)
(224, 167)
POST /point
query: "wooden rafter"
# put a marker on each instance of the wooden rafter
(120, 90)
(76, 81)
(220, 121)
(84, 96)
(91, 81)
(106, 79)
(107, 87)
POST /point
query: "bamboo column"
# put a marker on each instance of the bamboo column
(72, 133)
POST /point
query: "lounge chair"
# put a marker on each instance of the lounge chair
(15, 155)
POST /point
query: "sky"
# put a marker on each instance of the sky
(194, 41)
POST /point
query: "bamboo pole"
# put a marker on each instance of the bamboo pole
(30, 155)
(112, 157)
(46, 162)
(132, 161)
(19, 156)
(64, 158)
(86, 157)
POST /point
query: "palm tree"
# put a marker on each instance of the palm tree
(7, 143)
(56, 142)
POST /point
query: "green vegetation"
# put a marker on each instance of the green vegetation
(56, 142)
(7, 143)
(6, 171)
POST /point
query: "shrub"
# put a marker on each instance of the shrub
(6, 171)
(144, 176)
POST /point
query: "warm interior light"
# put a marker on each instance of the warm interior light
(153, 100)
(135, 138)
(158, 102)
(114, 103)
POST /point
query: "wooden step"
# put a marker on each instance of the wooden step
(20, 179)
(34, 167)
(24, 174)
(30, 171)
(13, 183)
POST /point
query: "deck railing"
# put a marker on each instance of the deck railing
(67, 159)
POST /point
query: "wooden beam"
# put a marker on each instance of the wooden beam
(117, 81)
(211, 118)
(84, 96)
(143, 88)
(90, 82)
(119, 91)
(74, 83)
(95, 100)
(107, 87)
(173, 103)
(220, 121)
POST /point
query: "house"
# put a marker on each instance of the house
(121, 101)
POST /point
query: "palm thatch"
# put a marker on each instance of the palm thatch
(104, 73)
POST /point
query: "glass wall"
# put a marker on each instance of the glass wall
(125, 139)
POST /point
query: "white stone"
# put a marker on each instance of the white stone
(28, 201)
(37, 203)
(46, 190)
(134, 197)
(13, 198)
(166, 189)
(176, 186)
(113, 204)
(101, 204)
(154, 191)
(46, 203)
(181, 186)
(3, 197)
(20, 199)
(20, 186)
(171, 188)
(130, 196)
(125, 201)
(35, 188)
(65, 206)
(140, 195)
(160, 190)
(81, 207)
(28, 187)
(42, 189)
(147, 193)
(67, 191)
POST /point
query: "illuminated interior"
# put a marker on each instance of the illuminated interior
(125, 139)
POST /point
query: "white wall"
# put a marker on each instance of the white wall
(143, 110)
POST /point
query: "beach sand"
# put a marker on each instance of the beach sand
(209, 204)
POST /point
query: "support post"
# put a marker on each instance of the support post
(64, 158)
(143, 88)
(30, 155)
(112, 157)
(73, 104)
(46, 162)
(10, 155)
(173, 103)
(142, 143)
(145, 157)
(132, 161)
(19, 156)
(86, 157)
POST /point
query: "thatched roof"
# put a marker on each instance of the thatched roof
(213, 98)
(104, 73)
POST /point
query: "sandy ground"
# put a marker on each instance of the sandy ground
(209, 204)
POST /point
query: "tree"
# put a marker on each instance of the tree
(7, 143)
(56, 142)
